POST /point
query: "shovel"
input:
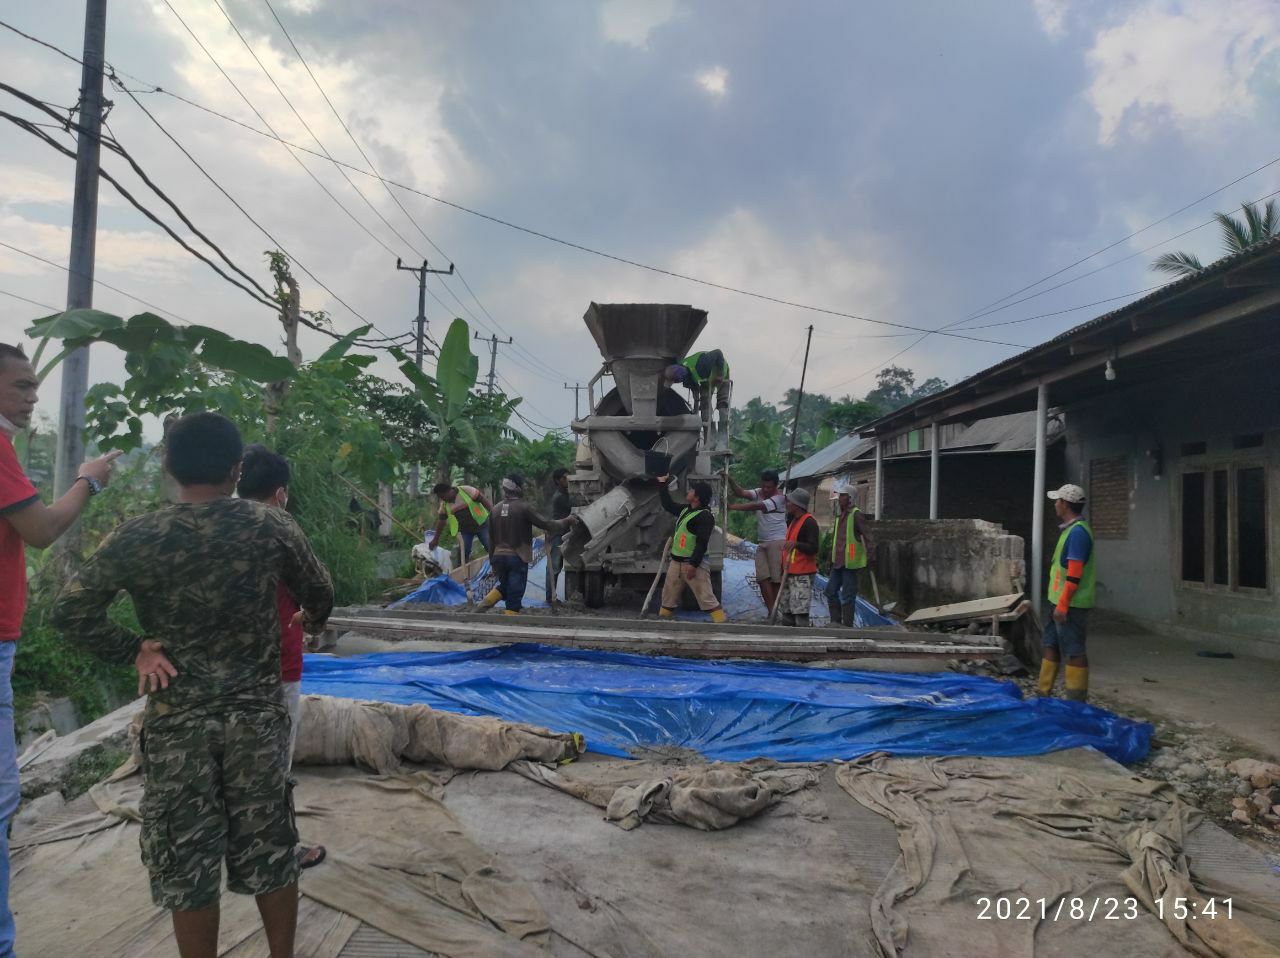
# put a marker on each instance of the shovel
(662, 567)
(875, 590)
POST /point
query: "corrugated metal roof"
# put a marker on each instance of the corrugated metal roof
(1169, 291)
(1015, 432)
(829, 458)
(1012, 433)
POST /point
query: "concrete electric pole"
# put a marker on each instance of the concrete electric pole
(421, 272)
(576, 387)
(494, 343)
(421, 336)
(84, 228)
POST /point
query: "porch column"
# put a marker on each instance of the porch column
(933, 471)
(879, 480)
(1036, 585)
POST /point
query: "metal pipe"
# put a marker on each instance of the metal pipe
(933, 471)
(1037, 501)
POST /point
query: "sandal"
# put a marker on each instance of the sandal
(309, 857)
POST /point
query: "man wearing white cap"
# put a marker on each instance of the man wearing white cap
(1071, 590)
(851, 548)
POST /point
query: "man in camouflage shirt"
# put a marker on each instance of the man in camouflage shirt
(202, 575)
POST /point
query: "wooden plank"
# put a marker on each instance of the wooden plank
(957, 611)
(805, 646)
(673, 626)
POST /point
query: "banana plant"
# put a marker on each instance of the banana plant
(163, 361)
(448, 398)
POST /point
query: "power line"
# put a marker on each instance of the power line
(302, 120)
(374, 170)
(97, 282)
(115, 146)
(1125, 239)
(1099, 269)
(943, 331)
(5, 292)
(249, 216)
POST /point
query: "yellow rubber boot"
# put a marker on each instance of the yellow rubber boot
(1077, 682)
(510, 612)
(1048, 672)
(717, 616)
(665, 613)
(490, 600)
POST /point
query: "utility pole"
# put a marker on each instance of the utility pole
(494, 343)
(421, 272)
(576, 387)
(84, 228)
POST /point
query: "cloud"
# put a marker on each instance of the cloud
(143, 254)
(764, 341)
(1186, 64)
(1052, 15)
(631, 21)
(715, 80)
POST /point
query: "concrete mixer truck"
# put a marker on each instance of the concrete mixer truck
(634, 431)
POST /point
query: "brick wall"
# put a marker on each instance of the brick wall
(1108, 493)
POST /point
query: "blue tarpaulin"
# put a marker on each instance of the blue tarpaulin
(730, 710)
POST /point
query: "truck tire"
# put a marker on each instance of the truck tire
(593, 589)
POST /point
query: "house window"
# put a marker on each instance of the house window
(1109, 497)
(1251, 527)
(1224, 527)
(913, 440)
(1193, 527)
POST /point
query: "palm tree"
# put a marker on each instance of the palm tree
(1260, 223)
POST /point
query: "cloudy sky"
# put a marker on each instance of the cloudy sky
(909, 162)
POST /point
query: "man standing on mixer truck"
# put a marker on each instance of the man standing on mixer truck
(695, 524)
(700, 373)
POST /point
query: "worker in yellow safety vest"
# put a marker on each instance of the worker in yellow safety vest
(465, 510)
(1072, 587)
(701, 373)
(695, 524)
(851, 550)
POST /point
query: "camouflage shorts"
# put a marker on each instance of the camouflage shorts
(797, 596)
(216, 788)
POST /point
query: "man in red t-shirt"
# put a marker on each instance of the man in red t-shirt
(264, 477)
(24, 521)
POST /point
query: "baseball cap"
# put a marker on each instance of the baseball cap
(1070, 493)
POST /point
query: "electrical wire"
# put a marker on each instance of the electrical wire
(554, 373)
(301, 119)
(96, 281)
(944, 331)
(5, 292)
(262, 229)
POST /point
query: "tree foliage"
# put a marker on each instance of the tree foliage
(1258, 222)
